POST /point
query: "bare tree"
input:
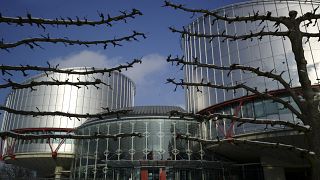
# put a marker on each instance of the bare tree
(37, 42)
(306, 98)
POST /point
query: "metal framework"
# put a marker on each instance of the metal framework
(9, 151)
(245, 99)
(237, 108)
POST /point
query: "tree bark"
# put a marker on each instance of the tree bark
(314, 139)
(310, 112)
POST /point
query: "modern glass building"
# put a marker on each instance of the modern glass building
(118, 93)
(158, 154)
(271, 53)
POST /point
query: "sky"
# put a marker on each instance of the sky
(150, 76)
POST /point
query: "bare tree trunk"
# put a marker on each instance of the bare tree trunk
(310, 112)
(314, 140)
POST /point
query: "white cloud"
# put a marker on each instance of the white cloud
(151, 65)
(149, 76)
(84, 59)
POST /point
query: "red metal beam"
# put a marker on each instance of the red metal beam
(54, 152)
(247, 98)
(10, 149)
(229, 133)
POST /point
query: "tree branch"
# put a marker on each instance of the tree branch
(87, 71)
(256, 16)
(309, 35)
(65, 114)
(68, 21)
(218, 117)
(5, 134)
(32, 84)
(31, 42)
(232, 37)
(309, 16)
(239, 86)
(254, 70)
(250, 142)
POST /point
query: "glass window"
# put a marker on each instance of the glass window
(259, 109)
(271, 107)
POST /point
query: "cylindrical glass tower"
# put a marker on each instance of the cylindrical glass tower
(118, 93)
(271, 53)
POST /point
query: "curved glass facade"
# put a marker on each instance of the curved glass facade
(250, 108)
(64, 98)
(271, 53)
(158, 151)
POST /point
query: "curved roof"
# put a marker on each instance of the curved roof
(37, 76)
(80, 69)
(243, 3)
(142, 111)
(153, 110)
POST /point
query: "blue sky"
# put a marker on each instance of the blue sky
(150, 77)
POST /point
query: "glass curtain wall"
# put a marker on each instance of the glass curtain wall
(271, 53)
(158, 154)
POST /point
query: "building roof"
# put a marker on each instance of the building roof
(153, 110)
(142, 111)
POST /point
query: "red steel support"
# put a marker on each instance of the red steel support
(10, 149)
(278, 92)
(229, 133)
(54, 152)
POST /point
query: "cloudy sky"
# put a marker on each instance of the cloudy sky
(149, 77)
